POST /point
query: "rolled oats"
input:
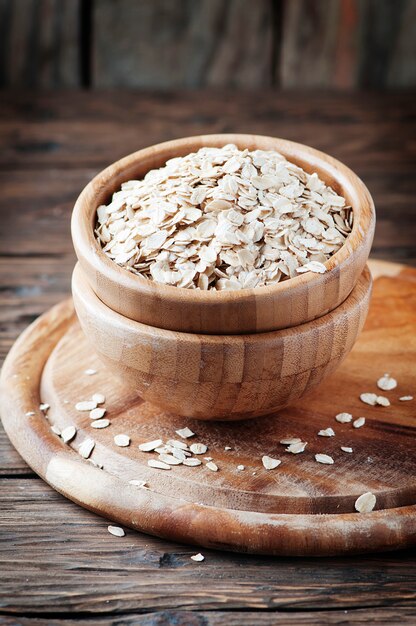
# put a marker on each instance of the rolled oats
(269, 463)
(224, 218)
(365, 503)
(324, 458)
(327, 432)
(343, 418)
(386, 383)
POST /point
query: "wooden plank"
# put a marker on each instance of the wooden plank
(11, 463)
(402, 69)
(348, 43)
(72, 564)
(161, 44)
(36, 210)
(40, 43)
(93, 129)
(380, 26)
(29, 286)
(390, 616)
(309, 37)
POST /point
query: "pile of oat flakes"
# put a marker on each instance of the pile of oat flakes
(224, 218)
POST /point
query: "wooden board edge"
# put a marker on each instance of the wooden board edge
(169, 517)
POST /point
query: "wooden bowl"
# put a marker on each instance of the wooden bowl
(283, 305)
(224, 377)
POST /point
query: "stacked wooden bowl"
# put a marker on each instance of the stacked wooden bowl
(222, 354)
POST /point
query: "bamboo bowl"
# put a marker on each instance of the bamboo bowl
(286, 304)
(224, 377)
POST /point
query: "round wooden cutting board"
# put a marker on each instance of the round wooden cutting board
(300, 508)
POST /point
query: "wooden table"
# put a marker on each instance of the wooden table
(58, 563)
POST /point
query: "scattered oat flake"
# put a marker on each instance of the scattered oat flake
(290, 440)
(227, 448)
(382, 401)
(324, 458)
(177, 444)
(56, 430)
(343, 418)
(198, 448)
(198, 557)
(86, 448)
(269, 463)
(240, 468)
(117, 531)
(177, 453)
(149, 446)
(101, 423)
(90, 372)
(97, 413)
(297, 448)
(170, 459)
(31, 413)
(44, 407)
(99, 398)
(369, 398)
(346, 449)
(402, 399)
(365, 503)
(360, 421)
(386, 383)
(139, 483)
(211, 466)
(158, 464)
(122, 441)
(328, 432)
(68, 434)
(192, 462)
(185, 433)
(86, 405)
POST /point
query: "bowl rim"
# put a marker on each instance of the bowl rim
(84, 292)
(89, 249)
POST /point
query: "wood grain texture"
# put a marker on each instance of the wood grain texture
(225, 377)
(40, 43)
(74, 568)
(262, 512)
(347, 43)
(402, 66)
(379, 33)
(283, 305)
(200, 43)
(11, 463)
(389, 616)
(52, 140)
(309, 37)
(161, 44)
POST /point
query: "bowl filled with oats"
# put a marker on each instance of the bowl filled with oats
(223, 276)
(224, 234)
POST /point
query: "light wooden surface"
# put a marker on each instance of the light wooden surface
(260, 511)
(282, 305)
(225, 377)
(58, 564)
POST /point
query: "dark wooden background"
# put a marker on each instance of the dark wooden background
(336, 44)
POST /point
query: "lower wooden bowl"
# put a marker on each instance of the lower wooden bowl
(225, 377)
